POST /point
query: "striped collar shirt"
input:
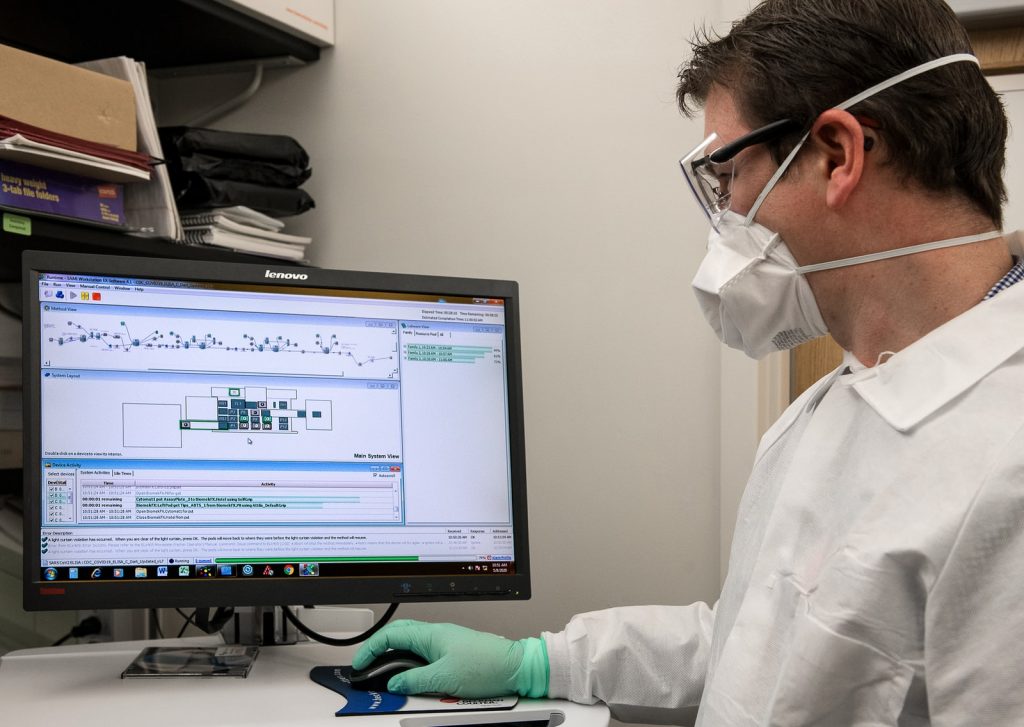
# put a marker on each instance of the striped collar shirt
(1015, 275)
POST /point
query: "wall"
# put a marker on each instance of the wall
(537, 141)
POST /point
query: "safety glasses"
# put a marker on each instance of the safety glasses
(709, 176)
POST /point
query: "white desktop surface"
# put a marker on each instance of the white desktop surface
(82, 686)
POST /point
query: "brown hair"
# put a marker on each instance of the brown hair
(944, 129)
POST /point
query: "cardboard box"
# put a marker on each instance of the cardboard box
(66, 99)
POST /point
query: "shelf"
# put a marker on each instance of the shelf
(162, 33)
(175, 35)
(60, 236)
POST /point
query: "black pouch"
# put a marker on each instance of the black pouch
(202, 193)
(270, 174)
(274, 148)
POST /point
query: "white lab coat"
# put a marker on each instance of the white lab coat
(877, 571)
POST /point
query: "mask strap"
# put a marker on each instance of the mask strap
(886, 355)
(915, 71)
(775, 178)
(899, 251)
(877, 88)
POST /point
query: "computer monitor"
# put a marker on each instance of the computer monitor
(221, 434)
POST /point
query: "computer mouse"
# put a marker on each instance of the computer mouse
(374, 678)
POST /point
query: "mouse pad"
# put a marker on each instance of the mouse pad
(359, 702)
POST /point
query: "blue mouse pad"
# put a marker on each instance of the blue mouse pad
(357, 701)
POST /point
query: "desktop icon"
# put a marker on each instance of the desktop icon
(204, 571)
(289, 570)
(246, 570)
(309, 569)
(119, 573)
(141, 572)
(50, 574)
(227, 570)
(96, 573)
(268, 571)
(184, 571)
(73, 574)
(161, 571)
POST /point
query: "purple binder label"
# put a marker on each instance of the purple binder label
(64, 195)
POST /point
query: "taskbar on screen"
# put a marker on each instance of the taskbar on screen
(276, 569)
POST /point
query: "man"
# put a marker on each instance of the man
(852, 179)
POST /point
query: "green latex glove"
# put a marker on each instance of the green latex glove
(463, 662)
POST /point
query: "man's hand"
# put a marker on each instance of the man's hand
(463, 662)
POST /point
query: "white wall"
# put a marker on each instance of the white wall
(537, 140)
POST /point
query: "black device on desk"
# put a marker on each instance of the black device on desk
(375, 677)
(220, 434)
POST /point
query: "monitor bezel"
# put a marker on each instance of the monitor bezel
(42, 595)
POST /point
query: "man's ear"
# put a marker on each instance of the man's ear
(839, 138)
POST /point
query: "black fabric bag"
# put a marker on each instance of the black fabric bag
(202, 193)
(182, 141)
(245, 170)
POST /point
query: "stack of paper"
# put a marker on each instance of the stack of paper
(243, 229)
(149, 208)
(68, 177)
(27, 144)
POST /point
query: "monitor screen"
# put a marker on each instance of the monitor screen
(220, 434)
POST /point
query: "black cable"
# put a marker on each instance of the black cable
(339, 642)
(87, 627)
(212, 623)
(10, 312)
(154, 620)
(204, 621)
(188, 619)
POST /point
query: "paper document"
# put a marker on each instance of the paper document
(244, 243)
(148, 207)
(238, 213)
(224, 223)
(19, 149)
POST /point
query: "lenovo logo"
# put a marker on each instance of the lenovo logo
(285, 276)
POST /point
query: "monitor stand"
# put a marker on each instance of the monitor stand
(264, 626)
(267, 626)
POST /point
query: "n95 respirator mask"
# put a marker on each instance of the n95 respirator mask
(750, 291)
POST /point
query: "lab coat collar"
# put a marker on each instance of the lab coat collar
(922, 378)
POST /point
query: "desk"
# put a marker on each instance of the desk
(81, 686)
